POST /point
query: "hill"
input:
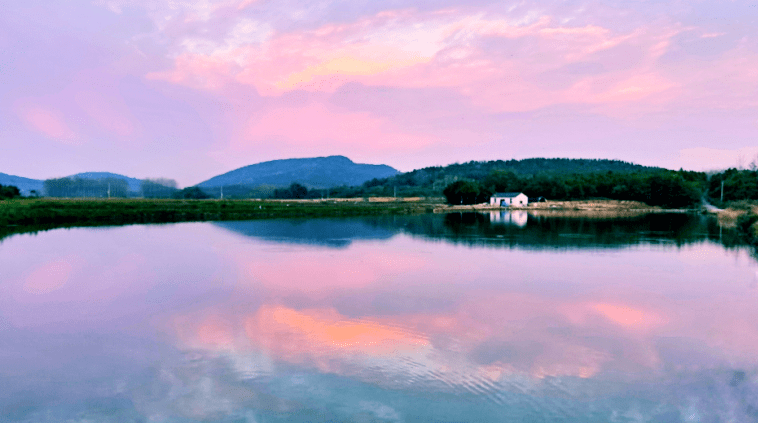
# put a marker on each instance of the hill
(316, 172)
(526, 167)
(25, 185)
(430, 181)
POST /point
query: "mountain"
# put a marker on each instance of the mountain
(316, 172)
(23, 184)
(134, 184)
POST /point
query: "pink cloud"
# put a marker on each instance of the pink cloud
(317, 127)
(196, 71)
(51, 123)
(417, 50)
(108, 113)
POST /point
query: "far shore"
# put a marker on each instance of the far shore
(30, 215)
(578, 208)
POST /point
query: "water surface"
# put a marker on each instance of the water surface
(464, 317)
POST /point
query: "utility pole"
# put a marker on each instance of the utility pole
(109, 190)
(395, 192)
(222, 192)
(722, 191)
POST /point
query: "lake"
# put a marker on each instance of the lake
(435, 318)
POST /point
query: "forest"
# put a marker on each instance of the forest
(733, 185)
(470, 182)
(665, 188)
(85, 187)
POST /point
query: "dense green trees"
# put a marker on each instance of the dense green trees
(471, 182)
(82, 187)
(661, 188)
(158, 188)
(295, 191)
(465, 192)
(9, 191)
(191, 193)
(737, 185)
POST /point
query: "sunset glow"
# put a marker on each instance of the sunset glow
(189, 90)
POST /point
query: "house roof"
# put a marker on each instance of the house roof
(506, 194)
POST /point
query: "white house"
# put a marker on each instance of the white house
(507, 199)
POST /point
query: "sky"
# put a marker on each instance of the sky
(191, 89)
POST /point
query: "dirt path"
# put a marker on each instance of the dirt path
(710, 207)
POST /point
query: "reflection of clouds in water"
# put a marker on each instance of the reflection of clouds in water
(525, 334)
(629, 317)
(443, 353)
(713, 257)
(200, 387)
(48, 278)
(205, 386)
(318, 273)
(490, 338)
(499, 350)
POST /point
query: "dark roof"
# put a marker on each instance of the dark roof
(506, 194)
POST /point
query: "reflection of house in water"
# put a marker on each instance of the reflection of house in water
(514, 217)
(507, 199)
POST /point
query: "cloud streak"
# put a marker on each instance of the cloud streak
(537, 76)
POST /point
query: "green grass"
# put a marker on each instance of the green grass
(29, 215)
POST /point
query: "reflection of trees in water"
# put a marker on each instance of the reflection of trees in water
(482, 229)
(336, 233)
(568, 232)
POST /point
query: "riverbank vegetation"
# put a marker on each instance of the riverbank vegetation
(8, 192)
(24, 215)
(665, 188)
(474, 181)
(728, 188)
(736, 192)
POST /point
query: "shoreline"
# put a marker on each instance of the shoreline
(578, 208)
(33, 215)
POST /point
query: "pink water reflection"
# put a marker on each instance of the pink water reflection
(409, 309)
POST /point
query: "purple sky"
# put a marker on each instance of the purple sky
(191, 89)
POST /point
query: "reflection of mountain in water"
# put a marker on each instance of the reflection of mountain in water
(327, 232)
(498, 229)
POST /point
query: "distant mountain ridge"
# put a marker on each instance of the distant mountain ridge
(334, 171)
(315, 172)
(25, 185)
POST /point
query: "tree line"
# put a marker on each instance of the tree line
(665, 188)
(9, 191)
(733, 185)
(83, 187)
(474, 181)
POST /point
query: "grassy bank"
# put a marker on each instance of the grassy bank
(27, 215)
(741, 214)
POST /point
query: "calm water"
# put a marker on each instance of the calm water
(503, 318)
